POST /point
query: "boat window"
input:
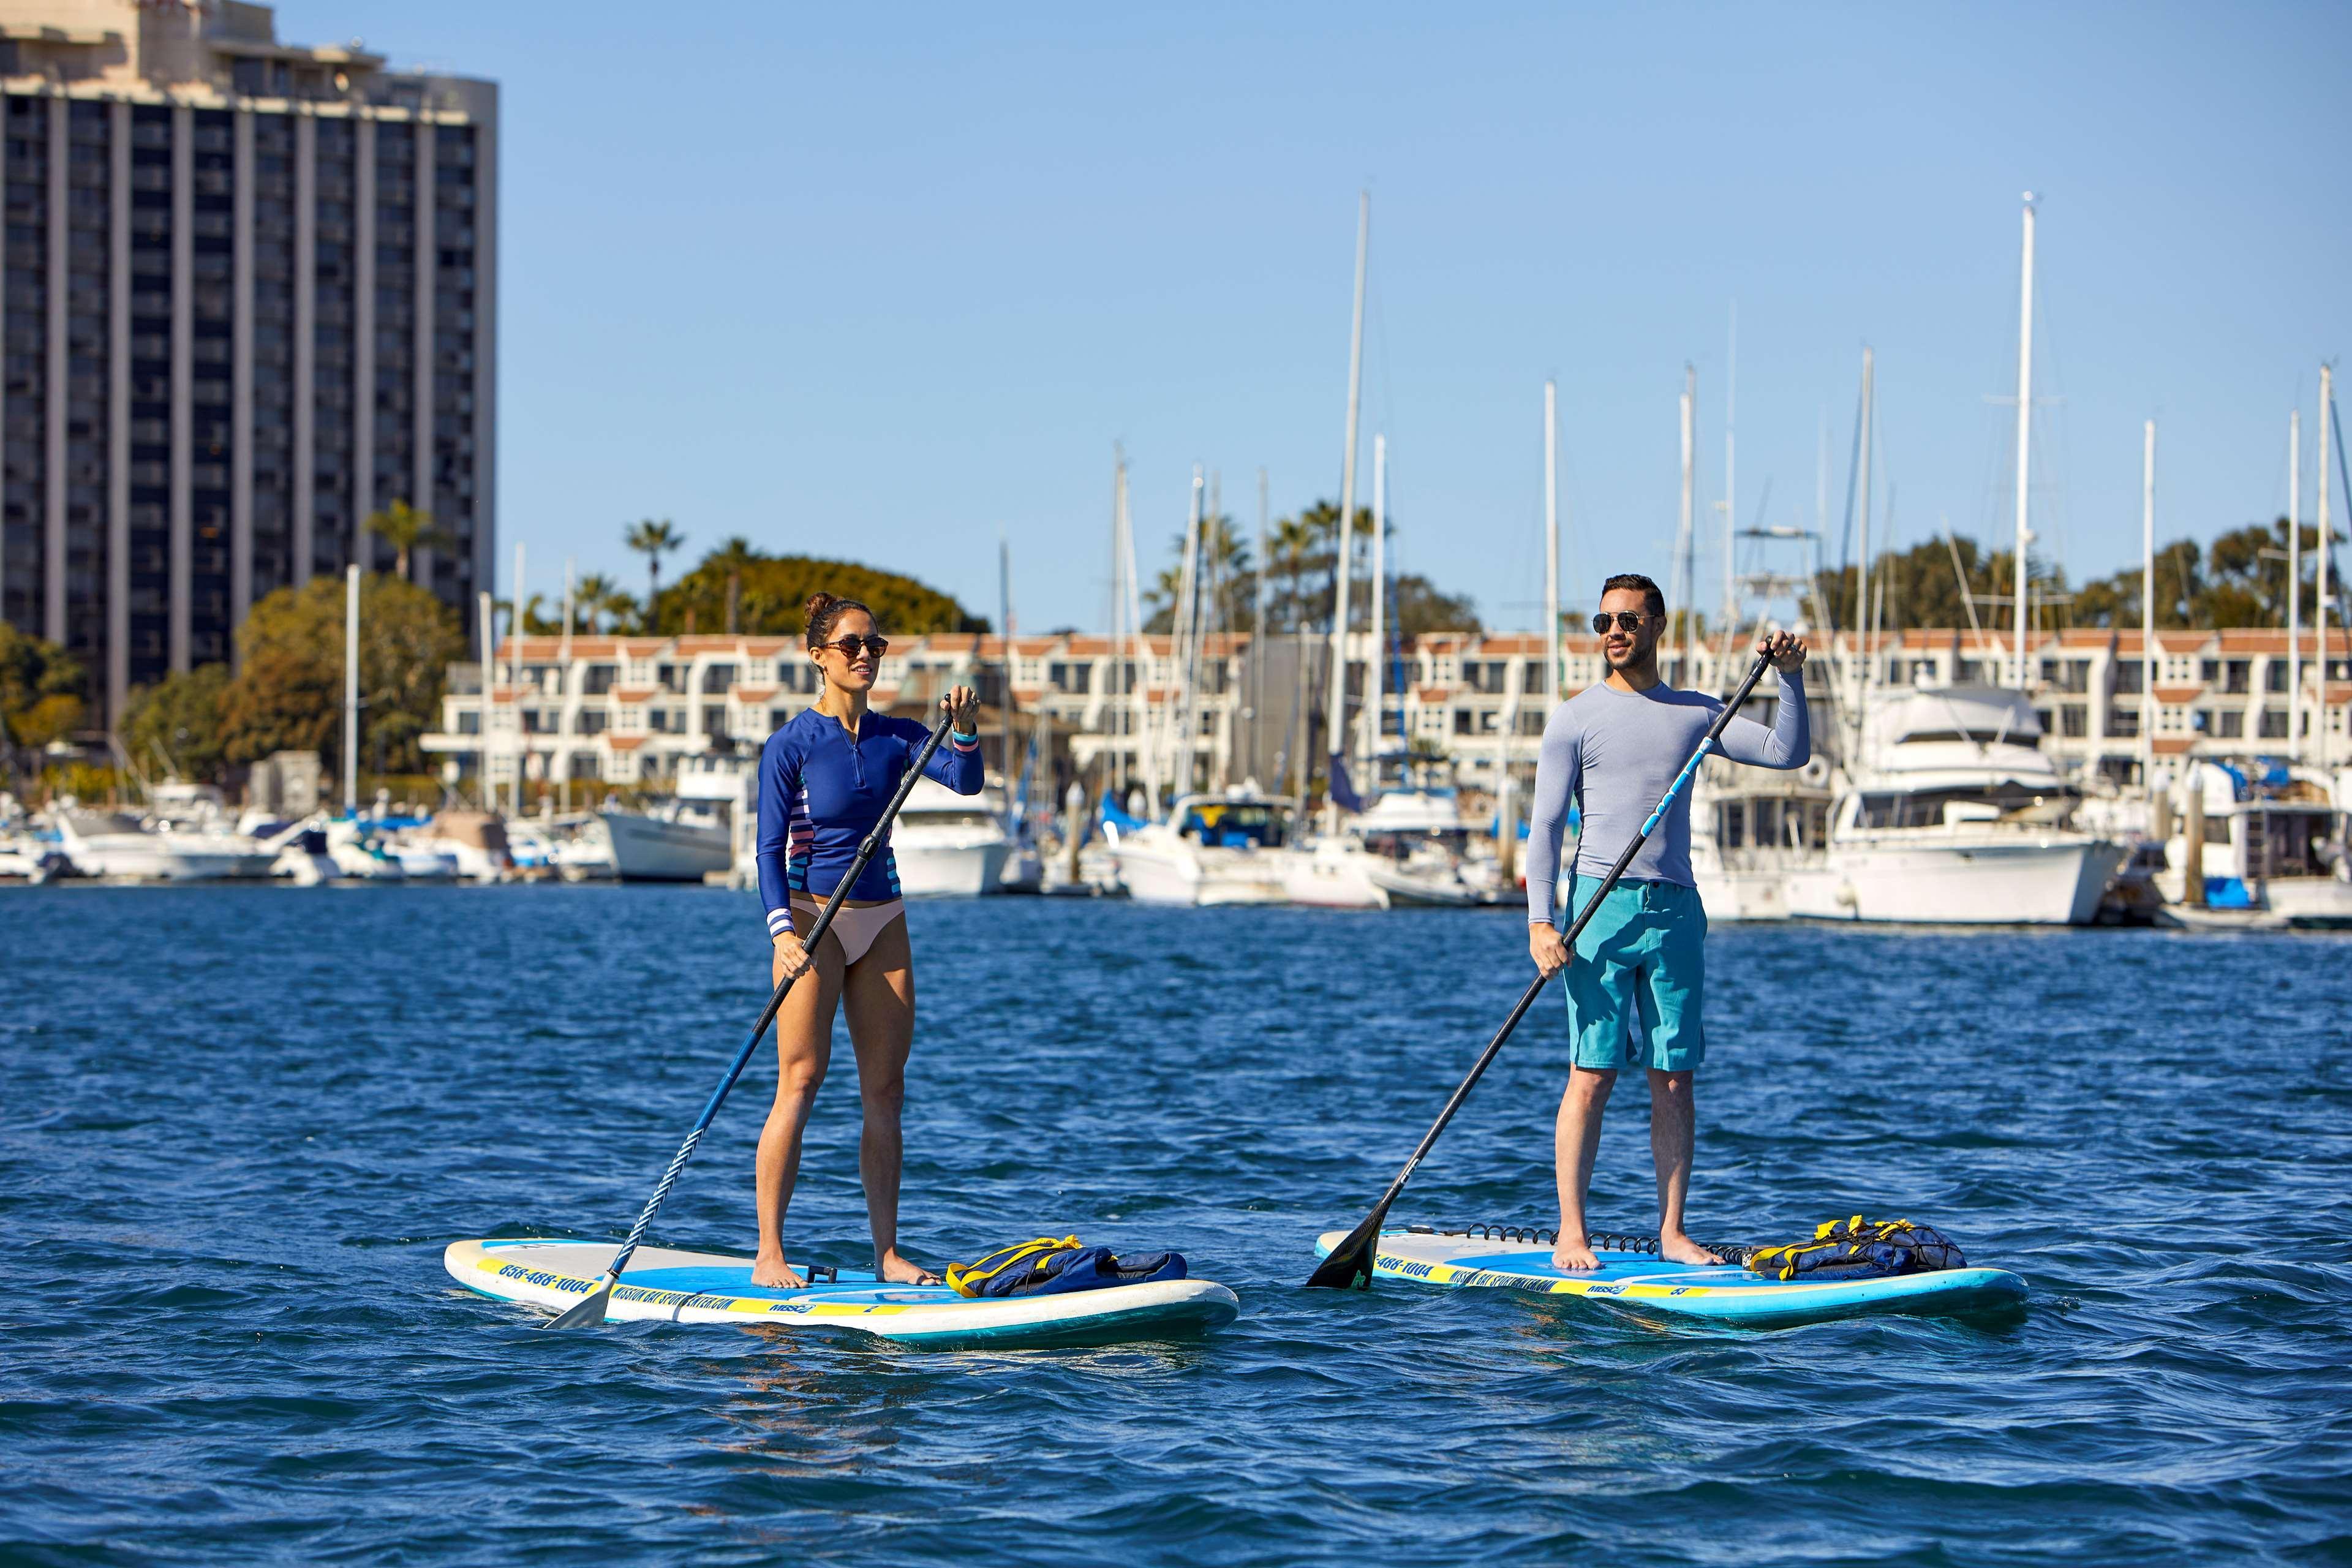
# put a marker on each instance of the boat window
(1735, 825)
(1938, 808)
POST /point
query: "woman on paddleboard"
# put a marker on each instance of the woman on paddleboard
(825, 779)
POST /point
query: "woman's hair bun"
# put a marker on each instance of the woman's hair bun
(821, 611)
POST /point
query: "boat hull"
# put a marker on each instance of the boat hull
(2054, 881)
(950, 870)
(1155, 876)
(648, 849)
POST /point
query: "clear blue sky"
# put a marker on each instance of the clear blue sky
(880, 281)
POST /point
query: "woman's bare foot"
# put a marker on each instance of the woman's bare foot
(900, 1269)
(771, 1269)
(1681, 1249)
(1574, 1257)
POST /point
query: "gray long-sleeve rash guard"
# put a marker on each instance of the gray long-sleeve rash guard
(1614, 753)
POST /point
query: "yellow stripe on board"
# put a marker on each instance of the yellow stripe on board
(1475, 1279)
(749, 1306)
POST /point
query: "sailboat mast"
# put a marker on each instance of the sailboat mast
(2148, 609)
(1730, 491)
(1682, 586)
(1117, 685)
(1370, 728)
(351, 691)
(1861, 583)
(2326, 400)
(1004, 712)
(1343, 569)
(1258, 635)
(1139, 678)
(1551, 546)
(2024, 430)
(2294, 585)
(1185, 630)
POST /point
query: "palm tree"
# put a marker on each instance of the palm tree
(592, 596)
(406, 529)
(733, 555)
(652, 540)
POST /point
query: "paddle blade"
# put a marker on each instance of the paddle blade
(588, 1312)
(1351, 1263)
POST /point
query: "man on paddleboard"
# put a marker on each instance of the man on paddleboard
(1635, 986)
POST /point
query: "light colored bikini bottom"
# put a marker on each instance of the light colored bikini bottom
(855, 928)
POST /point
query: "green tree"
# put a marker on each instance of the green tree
(406, 529)
(40, 693)
(599, 603)
(178, 720)
(652, 540)
(1417, 607)
(770, 589)
(732, 556)
(288, 690)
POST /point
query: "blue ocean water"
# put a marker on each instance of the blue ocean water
(241, 1124)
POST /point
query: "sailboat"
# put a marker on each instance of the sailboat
(1953, 813)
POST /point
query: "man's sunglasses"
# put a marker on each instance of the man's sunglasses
(877, 647)
(1627, 620)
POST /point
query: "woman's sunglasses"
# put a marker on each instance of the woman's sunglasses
(848, 646)
(1627, 620)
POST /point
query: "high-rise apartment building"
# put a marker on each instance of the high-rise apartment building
(248, 297)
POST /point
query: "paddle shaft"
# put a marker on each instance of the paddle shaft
(591, 1309)
(1345, 1265)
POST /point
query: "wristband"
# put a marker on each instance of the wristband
(960, 739)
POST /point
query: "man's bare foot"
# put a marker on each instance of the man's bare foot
(900, 1269)
(771, 1269)
(1573, 1256)
(1681, 1249)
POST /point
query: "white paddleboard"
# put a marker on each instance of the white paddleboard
(670, 1286)
(1645, 1282)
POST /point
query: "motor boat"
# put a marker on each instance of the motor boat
(1212, 849)
(114, 844)
(949, 844)
(1750, 829)
(1407, 849)
(1960, 819)
(705, 827)
(2274, 848)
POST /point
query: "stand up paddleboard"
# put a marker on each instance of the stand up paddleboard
(1644, 1282)
(674, 1286)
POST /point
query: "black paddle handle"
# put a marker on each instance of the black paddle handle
(1371, 1228)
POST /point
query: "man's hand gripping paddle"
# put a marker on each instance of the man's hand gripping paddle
(590, 1310)
(1351, 1262)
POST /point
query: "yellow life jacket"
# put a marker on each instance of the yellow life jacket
(967, 1278)
(1859, 1247)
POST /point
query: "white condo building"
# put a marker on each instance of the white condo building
(624, 710)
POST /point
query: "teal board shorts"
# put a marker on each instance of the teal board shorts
(1640, 972)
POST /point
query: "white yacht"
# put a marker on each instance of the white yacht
(116, 845)
(695, 833)
(2274, 847)
(361, 855)
(1958, 819)
(1406, 850)
(1212, 849)
(950, 844)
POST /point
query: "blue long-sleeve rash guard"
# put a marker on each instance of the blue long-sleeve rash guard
(821, 792)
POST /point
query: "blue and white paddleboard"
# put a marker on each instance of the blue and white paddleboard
(669, 1286)
(1644, 1282)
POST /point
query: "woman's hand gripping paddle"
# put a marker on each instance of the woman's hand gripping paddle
(591, 1309)
(1350, 1262)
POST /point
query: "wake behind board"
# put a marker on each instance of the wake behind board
(669, 1286)
(1644, 1282)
